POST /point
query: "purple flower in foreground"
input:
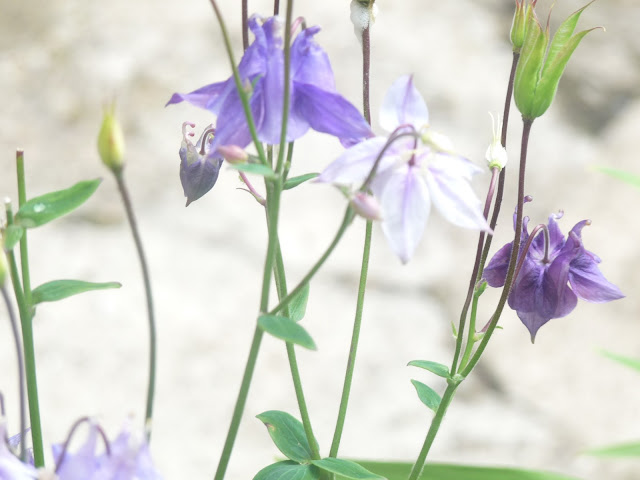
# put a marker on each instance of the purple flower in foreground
(416, 170)
(128, 458)
(314, 101)
(10, 466)
(552, 277)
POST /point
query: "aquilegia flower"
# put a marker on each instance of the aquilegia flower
(415, 170)
(553, 275)
(314, 101)
(199, 163)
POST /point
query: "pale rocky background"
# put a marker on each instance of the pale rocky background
(537, 406)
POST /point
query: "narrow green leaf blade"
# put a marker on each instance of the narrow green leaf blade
(59, 289)
(630, 178)
(626, 361)
(295, 181)
(346, 469)
(288, 471)
(434, 367)
(298, 304)
(47, 207)
(287, 330)
(426, 395)
(288, 435)
(255, 168)
(622, 450)
(443, 471)
(12, 235)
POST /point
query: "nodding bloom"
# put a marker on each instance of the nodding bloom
(555, 273)
(414, 168)
(314, 101)
(10, 466)
(199, 163)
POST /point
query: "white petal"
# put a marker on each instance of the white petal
(404, 198)
(354, 164)
(403, 105)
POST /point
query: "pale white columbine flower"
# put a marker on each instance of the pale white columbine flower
(415, 168)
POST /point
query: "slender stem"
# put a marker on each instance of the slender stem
(29, 354)
(355, 336)
(287, 88)
(245, 25)
(433, 430)
(21, 376)
(364, 269)
(24, 251)
(276, 7)
(515, 249)
(240, 404)
(471, 338)
(348, 218)
(133, 224)
(244, 98)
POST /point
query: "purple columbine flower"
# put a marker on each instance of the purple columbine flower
(314, 101)
(10, 466)
(554, 274)
(199, 163)
(416, 168)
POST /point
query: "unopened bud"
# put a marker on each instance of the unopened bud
(366, 206)
(233, 153)
(111, 141)
(363, 15)
(496, 154)
(519, 25)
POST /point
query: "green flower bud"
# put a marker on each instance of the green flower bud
(111, 141)
(542, 64)
(518, 27)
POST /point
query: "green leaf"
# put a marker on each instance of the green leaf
(255, 168)
(59, 289)
(433, 367)
(12, 235)
(622, 450)
(47, 207)
(426, 395)
(443, 471)
(288, 434)
(295, 181)
(287, 330)
(630, 178)
(288, 471)
(298, 304)
(346, 469)
(626, 361)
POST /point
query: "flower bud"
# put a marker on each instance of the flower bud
(518, 27)
(366, 206)
(233, 153)
(542, 64)
(496, 154)
(111, 141)
(363, 15)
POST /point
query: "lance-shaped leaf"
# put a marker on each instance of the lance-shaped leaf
(628, 177)
(47, 207)
(434, 367)
(288, 434)
(346, 469)
(59, 289)
(255, 168)
(622, 450)
(298, 304)
(626, 361)
(12, 235)
(287, 330)
(288, 471)
(427, 395)
(295, 181)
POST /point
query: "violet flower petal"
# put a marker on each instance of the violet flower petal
(403, 105)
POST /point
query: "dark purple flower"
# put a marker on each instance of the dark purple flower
(314, 101)
(199, 163)
(552, 277)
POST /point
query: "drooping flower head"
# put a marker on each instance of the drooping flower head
(314, 101)
(555, 273)
(199, 163)
(414, 169)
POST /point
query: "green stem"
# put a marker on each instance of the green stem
(355, 336)
(287, 89)
(240, 404)
(24, 310)
(515, 249)
(133, 224)
(21, 376)
(433, 431)
(24, 251)
(471, 338)
(346, 221)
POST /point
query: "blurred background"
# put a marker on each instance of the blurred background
(539, 406)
